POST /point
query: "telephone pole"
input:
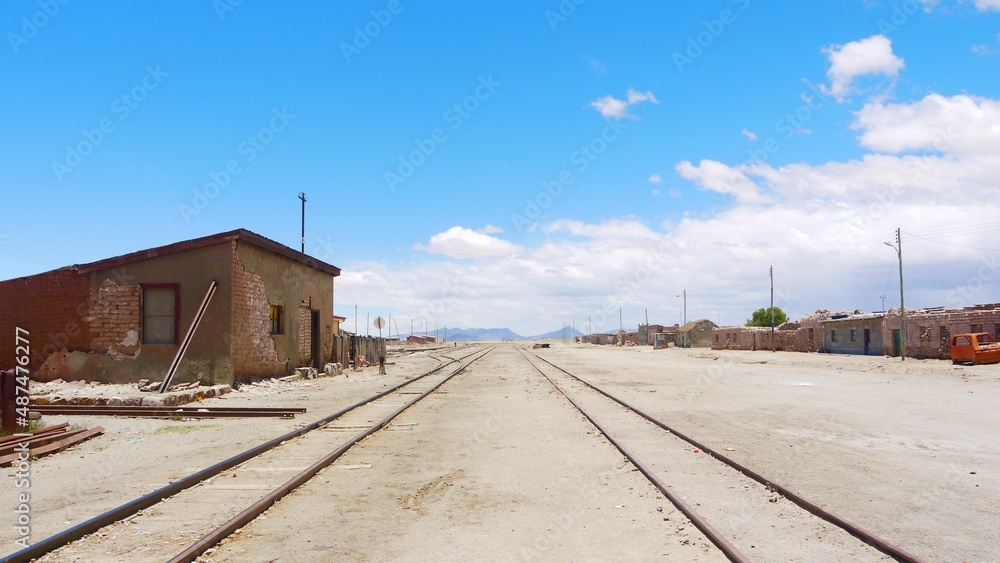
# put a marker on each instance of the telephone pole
(898, 247)
(770, 273)
(302, 196)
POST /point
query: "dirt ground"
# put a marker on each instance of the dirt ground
(499, 467)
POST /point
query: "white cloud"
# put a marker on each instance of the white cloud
(820, 224)
(956, 124)
(749, 134)
(612, 107)
(655, 192)
(981, 5)
(987, 50)
(987, 5)
(717, 177)
(459, 242)
(491, 230)
(609, 106)
(635, 96)
(859, 58)
(656, 179)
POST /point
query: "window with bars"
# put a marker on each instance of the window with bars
(276, 314)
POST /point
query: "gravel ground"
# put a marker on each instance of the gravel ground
(500, 467)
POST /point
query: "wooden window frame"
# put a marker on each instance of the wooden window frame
(177, 311)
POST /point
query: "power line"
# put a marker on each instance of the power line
(954, 245)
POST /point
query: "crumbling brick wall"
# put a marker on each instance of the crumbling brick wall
(929, 331)
(805, 335)
(115, 319)
(253, 351)
(305, 334)
(52, 307)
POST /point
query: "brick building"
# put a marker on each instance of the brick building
(805, 335)
(122, 319)
(929, 331)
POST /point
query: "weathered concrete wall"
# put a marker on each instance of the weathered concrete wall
(110, 350)
(207, 357)
(850, 336)
(288, 283)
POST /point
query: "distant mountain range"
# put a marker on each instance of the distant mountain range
(474, 334)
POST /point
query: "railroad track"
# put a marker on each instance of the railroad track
(760, 519)
(233, 487)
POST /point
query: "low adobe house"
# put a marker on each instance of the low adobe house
(695, 334)
(862, 333)
(123, 319)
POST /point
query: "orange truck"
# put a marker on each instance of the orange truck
(974, 348)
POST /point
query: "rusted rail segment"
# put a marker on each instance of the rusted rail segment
(167, 412)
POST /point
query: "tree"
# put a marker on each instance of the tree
(762, 317)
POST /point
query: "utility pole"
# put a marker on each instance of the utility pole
(368, 321)
(590, 328)
(770, 273)
(898, 247)
(620, 326)
(302, 196)
(646, 338)
(684, 318)
(356, 320)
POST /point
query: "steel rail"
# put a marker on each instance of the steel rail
(732, 552)
(262, 505)
(94, 524)
(865, 536)
(165, 412)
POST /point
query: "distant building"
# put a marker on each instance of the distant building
(695, 334)
(929, 331)
(123, 319)
(855, 334)
(646, 333)
(805, 335)
(418, 339)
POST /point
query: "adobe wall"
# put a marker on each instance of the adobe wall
(289, 284)
(805, 335)
(929, 331)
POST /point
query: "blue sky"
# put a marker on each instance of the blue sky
(522, 165)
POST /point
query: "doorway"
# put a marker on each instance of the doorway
(317, 360)
(868, 341)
